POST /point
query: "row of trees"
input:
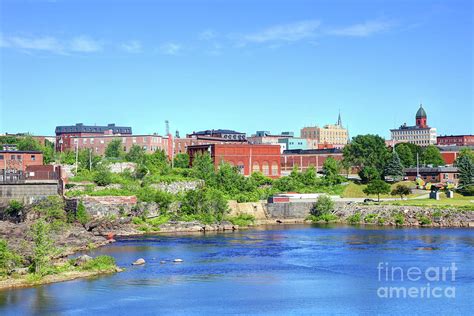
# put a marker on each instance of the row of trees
(375, 161)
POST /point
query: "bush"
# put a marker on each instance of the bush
(401, 190)
(102, 176)
(14, 208)
(100, 263)
(51, 209)
(81, 214)
(354, 219)
(43, 247)
(242, 220)
(399, 219)
(370, 218)
(381, 220)
(323, 205)
(424, 220)
(8, 259)
(467, 190)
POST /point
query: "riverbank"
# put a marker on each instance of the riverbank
(21, 281)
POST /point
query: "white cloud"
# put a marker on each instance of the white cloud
(171, 48)
(362, 29)
(207, 35)
(283, 33)
(131, 47)
(84, 44)
(51, 44)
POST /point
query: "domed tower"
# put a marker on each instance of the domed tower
(421, 117)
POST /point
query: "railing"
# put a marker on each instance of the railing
(18, 176)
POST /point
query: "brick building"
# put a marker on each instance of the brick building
(450, 153)
(20, 160)
(306, 158)
(225, 135)
(434, 175)
(455, 140)
(420, 134)
(98, 143)
(248, 158)
(64, 134)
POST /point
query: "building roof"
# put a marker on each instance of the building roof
(406, 127)
(431, 170)
(454, 148)
(421, 112)
(216, 131)
(20, 152)
(312, 151)
(81, 128)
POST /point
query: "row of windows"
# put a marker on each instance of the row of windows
(18, 157)
(124, 140)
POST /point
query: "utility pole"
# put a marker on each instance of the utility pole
(417, 166)
(77, 153)
(90, 159)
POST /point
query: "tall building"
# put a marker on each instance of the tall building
(420, 134)
(64, 134)
(334, 135)
(456, 140)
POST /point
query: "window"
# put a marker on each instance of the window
(255, 167)
(18, 157)
(265, 168)
(12, 157)
(1, 157)
(274, 168)
(33, 157)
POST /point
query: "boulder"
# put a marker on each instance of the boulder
(178, 260)
(81, 260)
(138, 262)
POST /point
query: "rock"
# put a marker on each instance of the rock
(178, 260)
(139, 262)
(81, 260)
(21, 271)
(162, 261)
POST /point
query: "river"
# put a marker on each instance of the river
(271, 270)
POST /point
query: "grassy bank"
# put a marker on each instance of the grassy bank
(62, 272)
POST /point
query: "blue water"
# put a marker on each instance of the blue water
(270, 270)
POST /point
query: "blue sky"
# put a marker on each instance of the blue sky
(243, 65)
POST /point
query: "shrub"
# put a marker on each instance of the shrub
(399, 219)
(103, 177)
(401, 190)
(100, 263)
(14, 208)
(81, 214)
(8, 259)
(43, 247)
(381, 220)
(328, 217)
(370, 218)
(51, 209)
(424, 220)
(322, 206)
(242, 220)
(354, 219)
(377, 187)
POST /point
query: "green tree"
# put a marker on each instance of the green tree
(401, 190)
(394, 167)
(367, 151)
(114, 149)
(203, 168)
(260, 179)
(208, 204)
(43, 246)
(377, 187)
(102, 175)
(308, 177)
(81, 214)
(67, 157)
(135, 154)
(405, 152)
(331, 169)
(369, 173)
(466, 152)
(49, 154)
(322, 206)
(181, 160)
(466, 170)
(51, 209)
(158, 163)
(432, 156)
(8, 259)
(87, 159)
(29, 143)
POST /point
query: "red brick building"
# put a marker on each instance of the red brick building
(248, 158)
(64, 134)
(20, 160)
(456, 140)
(306, 158)
(98, 143)
(450, 153)
(434, 175)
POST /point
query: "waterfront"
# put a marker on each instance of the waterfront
(294, 269)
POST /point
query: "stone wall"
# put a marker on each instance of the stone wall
(289, 210)
(256, 209)
(27, 192)
(99, 206)
(178, 186)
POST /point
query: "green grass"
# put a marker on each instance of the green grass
(354, 190)
(242, 220)
(459, 202)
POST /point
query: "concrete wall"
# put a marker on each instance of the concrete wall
(256, 209)
(27, 192)
(289, 210)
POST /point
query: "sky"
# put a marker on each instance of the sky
(242, 65)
